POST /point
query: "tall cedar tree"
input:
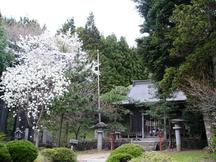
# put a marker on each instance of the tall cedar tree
(181, 49)
(68, 26)
(155, 47)
(119, 64)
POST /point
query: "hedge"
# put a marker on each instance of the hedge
(22, 151)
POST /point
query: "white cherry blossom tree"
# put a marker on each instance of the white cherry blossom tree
(38, 76)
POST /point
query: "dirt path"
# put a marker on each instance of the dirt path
(93, 157)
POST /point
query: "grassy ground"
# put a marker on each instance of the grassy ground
(183, 156)
(191, 156)
(40, 158)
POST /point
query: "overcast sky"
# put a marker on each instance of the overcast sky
(111, 16)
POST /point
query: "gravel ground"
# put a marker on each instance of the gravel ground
(93, 157)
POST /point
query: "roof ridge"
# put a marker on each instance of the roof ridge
(135, 82)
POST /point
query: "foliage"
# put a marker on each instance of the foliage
(170, 156)
(2, 136)
(193, 40)
(131, 149)
(119, 157)
(79, 100)
(68, 26)
(60, 154)
(22, 150)
(117, 125)
(39, 75)
(192, 118)
(186, 156)
(48, 153)
(155, 47)
(90, 36)
(111, 109)
(4, 154)
(213, 144)
(159, 109)
(180, 48)
(119, 64)
(152, 157)
(117, 94)
(6, 57)
(24, 27)
(64, 155)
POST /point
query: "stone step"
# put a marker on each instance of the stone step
(149, 144)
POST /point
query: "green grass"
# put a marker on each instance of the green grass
(89, 134)
(173, 156)
(183, 156)
(190, 156)
(40, 158)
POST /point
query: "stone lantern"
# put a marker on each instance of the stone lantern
(117, 135)
(99, 128)
(18, 133)
(177, 128)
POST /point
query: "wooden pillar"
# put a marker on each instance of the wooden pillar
(150, 125)
(143, 125)
(130, 126)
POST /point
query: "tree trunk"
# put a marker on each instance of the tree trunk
(3, 116)
(214, 67)
(77, 133)
(60, 129)
(165, 128)
(66, 133)
(170, 136)
(208, 127)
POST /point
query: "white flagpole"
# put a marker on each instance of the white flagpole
(98, 62)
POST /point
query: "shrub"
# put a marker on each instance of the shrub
(4, 153)
(60, 154)
(48, 153)
(2, 136)
(152, 156)
(133, 150)
(22, 151)
(213, 144)
(120, 157)
(86, 145)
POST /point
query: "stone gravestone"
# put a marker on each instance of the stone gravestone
(3, 116)
(46, 137)
(26, 133)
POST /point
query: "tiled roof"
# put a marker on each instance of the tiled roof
(142, 91)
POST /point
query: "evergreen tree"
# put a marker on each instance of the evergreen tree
(6, 57)
(24, 27)
(90, 36)
(193, 40)
(155, 47)
(180, 51)
(119, 63)
(68, 26)
(76, 108)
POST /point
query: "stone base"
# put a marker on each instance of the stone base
(149, 144)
